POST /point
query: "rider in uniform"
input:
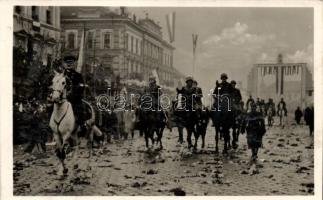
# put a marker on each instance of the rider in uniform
(188, 92)
(154, 91)
(75, 90)
(249, 101)
(198, 98)
(223, 88)
(282, 105)
(236, 95)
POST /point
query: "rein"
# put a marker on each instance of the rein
(59, 122)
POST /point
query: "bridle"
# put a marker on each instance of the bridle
(61, 92)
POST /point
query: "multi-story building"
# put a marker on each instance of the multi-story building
(36, 32)
(291, 81)
(125, 48)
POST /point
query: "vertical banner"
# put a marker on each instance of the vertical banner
(80, 59)
(277, 80)
(155, 74)
(282, 81)
(194, 37)
(170, 20)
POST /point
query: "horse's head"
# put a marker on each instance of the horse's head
(58, 88)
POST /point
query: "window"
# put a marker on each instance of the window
(126, 41)
(18, 9)
(106, 39)
(35, 13)
(129, 67)
(131, 44)
(136, 46)
(49, 16)
(71, 37)
(90, 40)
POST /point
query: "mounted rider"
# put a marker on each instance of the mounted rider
(249, 102)
(198, 98)
(189, 93)
(75, 90)
(270, 105)
(282, 106)
(154, 91)
(223, 89)
(236, 96)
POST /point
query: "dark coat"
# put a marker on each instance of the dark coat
(188, 94)
(254, 124)
(309, 116)
(75, 86)
(298, 114)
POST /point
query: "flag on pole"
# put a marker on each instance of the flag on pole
(170, 20)
(194, 36)
(155, 74)
(80, 60)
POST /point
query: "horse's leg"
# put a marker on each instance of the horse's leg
(196, 136)
(160, 135)
(75, 139)
(216, 139)
(228, 139)
(226, 135)
(60, 153)
(234, 139)
(203, 138)
(146, 137)
(189, 137)
(90, 142)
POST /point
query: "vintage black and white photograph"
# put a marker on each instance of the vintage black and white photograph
(162, 101)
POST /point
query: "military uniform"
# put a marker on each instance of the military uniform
(75, 87)
(282, 105)
(154, 91)
(188, 93)
(249, 102)
(221, 90)
(254, 125)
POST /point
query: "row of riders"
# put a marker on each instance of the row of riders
(69, 118)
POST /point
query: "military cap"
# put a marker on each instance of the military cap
(189, 78)
(224, 76)
(69, 59)
(233, 82)
(152, 78)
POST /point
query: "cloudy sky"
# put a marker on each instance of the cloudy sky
(231, 40)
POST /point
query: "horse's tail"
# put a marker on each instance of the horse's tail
(90, 121)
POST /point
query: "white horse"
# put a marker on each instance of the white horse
(62, 121)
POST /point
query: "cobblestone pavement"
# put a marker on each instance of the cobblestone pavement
(285, 167)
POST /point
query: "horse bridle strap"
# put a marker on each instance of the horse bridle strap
(59, 122)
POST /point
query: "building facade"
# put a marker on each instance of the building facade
(125, 48)
(291, 81)
(36, 36)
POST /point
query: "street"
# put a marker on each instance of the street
(285, 167)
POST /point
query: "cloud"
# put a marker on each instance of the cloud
(305, 55)
(234, 50)
(237, 35)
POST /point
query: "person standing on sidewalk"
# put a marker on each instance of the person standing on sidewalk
(309, 118)
(254, 125)
(298, 115)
